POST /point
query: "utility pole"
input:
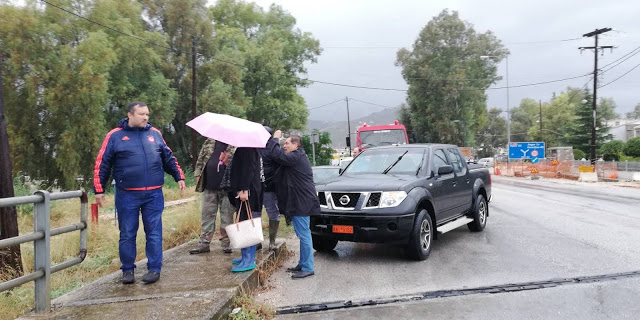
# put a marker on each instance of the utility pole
(313, 147)
(10, 258)
(348, 125)
(194, 141)
(540, 101)
(595, 48)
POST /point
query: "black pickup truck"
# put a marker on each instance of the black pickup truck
(404, 195)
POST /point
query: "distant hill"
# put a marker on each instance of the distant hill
(338, 129)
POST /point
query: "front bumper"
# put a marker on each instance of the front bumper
(393, 229)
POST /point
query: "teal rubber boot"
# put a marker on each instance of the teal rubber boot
(248, 262)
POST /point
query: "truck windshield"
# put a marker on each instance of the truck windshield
(377, 138)
(377, 160)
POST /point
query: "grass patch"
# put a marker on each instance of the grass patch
(245, 308)
(181, 223)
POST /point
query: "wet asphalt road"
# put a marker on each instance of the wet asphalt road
(536, 231)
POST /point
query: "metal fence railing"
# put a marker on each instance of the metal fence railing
(629, 166)
(41, 236)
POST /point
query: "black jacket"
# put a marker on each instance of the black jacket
(294, 183)
(271, 169)
(245, 175)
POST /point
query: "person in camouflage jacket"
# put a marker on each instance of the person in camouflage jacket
(209, 172)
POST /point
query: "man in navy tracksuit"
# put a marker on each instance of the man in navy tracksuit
(139, 156)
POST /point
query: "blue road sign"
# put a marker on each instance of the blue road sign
(526, 150)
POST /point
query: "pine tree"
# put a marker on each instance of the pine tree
(579, 133)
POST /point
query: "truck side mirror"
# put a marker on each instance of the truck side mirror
(446, 169)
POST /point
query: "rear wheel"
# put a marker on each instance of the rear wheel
(323, 244)
(421, 240)
(480, 214)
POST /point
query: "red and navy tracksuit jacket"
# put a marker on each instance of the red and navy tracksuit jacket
(139, 157)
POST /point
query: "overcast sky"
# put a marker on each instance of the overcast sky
(374, 30)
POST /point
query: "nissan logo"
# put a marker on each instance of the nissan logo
(344, 200)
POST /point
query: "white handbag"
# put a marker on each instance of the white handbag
(245, 233)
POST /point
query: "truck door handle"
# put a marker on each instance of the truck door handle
(467, 180)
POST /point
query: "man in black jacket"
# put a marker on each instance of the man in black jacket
(296, 194)
(271, 168)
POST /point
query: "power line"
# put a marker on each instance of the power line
(371, 103)
(132, 36)
(616, 79)
(326, 104)
(532, 84)
(105, 26)
(614, 61)
(627, 58)
(309, 80)
(354, 86)
(400, 47)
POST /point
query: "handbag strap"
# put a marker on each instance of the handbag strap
(248, 207)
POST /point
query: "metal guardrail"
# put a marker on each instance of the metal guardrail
(41, 235)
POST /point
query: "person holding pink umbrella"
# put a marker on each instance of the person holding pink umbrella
(246, 185)
(245, 167)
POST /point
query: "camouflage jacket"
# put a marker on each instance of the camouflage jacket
(205, 153)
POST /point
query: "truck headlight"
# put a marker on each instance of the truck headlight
(392, 198)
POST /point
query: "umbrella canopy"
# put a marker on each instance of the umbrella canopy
(230, 130)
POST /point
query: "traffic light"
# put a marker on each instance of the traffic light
(348, 141)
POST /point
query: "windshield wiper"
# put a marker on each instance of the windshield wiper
(394, 163)
(420, 166)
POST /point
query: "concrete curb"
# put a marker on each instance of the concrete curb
(252, 282)
(108, 298)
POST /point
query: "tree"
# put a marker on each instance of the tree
(632, 148)
(522, 119)
(579, 131)
(557, 115)
(635, 114)
(324, 153)
(493, 135)
(67, 81)
(612, 150)
(439, 68)
(607, 108)
(10, 258)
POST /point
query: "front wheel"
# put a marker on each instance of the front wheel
(323, 244)
(421, 240)
(480, 214)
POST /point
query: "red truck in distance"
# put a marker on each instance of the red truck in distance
(384, 135)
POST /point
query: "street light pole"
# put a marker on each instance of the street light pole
(508, 116)
(508, 107)
(313, 147)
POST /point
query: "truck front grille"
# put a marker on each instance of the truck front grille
(349, 199)
(322, 198)
(374, 199)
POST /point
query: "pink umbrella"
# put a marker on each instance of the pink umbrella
(230, 130)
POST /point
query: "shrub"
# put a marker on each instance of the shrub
(611, 151)
(632, 148)
(578, 154)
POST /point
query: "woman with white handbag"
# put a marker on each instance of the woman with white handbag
(245, 193)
